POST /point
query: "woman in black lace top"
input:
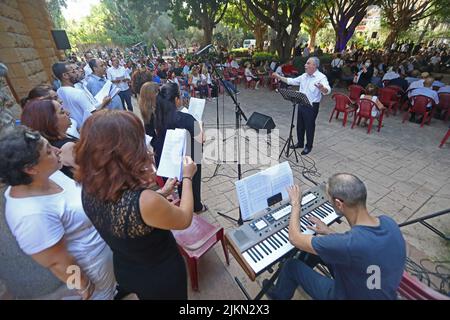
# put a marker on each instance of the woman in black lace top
(116, 171)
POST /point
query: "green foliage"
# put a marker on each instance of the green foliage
(239, 52)
(54, 8)
(263, 56)
(299, 62)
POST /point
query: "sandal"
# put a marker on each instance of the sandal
(203, 209)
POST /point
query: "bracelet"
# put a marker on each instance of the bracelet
(189, 178)
(85, 289)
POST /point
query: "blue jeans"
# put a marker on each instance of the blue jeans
(296, 273)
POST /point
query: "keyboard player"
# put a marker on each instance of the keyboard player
(367, 261)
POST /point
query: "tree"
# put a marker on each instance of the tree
(316, 18)
(280, 15)
(205, 14)
(345, 16)
(127, 21)
(401, 14)
(258, 27)
(162, 28)
(54, 8)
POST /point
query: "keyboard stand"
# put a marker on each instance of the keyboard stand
(271, 281)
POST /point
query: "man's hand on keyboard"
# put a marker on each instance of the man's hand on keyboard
(320, 227)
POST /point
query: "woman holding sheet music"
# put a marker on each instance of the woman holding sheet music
(134, 220)
(168, 117)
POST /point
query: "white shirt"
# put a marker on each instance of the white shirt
(415, 85)
(39, 222)
(87, 70)
(390, 75)
(337, 63)
(117, 73)
(234, 64)
(307, 85)
(435, 60)
(77, 103)
(445, 89)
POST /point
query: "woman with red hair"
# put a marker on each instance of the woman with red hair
(51, 121)
(116, 175)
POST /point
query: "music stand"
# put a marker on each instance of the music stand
(296, 98)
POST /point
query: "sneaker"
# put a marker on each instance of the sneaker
(237, 92)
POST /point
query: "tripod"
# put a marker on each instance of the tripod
(296, 98)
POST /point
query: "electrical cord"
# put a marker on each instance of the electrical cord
(439, 279)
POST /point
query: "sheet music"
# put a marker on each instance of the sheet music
(103, 91)
(254, 191)
(114, 90)
(174, 150)
(196, 107)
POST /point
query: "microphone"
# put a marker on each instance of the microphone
(205, 49)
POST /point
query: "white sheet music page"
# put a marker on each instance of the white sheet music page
(174, 150)
(253, 191)
(196, 107)
(103, 91)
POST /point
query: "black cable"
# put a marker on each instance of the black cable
(439, 279)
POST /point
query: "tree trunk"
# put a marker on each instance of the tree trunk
(207, 33)
(259, 35)
(312, 39)
(391, 38)
(342, 38)
(431, 24)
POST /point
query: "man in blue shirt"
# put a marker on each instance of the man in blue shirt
(367, 262)
(97, 79)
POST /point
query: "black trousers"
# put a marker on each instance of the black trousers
(125, 96)
(306, 122)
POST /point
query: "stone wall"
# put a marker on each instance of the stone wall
(26, 43)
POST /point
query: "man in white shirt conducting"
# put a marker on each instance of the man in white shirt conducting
(313, 84)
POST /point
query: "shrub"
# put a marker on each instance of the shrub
(263, 56)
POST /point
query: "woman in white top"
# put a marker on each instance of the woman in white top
(250, 76)
(45, 214)
(371, 94)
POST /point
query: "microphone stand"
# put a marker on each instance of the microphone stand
(238, 115)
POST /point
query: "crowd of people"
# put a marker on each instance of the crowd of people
(82, 176)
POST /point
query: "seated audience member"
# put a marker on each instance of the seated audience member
(97, 79)
(44, 212)
(249, 76)
(116, 176)
(167, 117)
(147, 105)
(371, 244)
(426, 91)
(418, 83)
(371, 94)
(444, 89)
(399, 82)
(51, 121)
(364, 76)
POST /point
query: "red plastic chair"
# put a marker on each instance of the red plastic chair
(419, 107)
(355, 92)
(411, 288)
(196, 240)
(444, 140)
(444, 104)
(365, 111)
(388, 97)
(343, 104)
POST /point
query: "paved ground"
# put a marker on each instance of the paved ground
(406, 174)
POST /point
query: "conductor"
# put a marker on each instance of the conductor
(313, 84)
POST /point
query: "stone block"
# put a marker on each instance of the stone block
(10, 12)
(10, 55)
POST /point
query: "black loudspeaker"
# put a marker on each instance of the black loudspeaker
(260, 121)
(61, 40)
(374, 35)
